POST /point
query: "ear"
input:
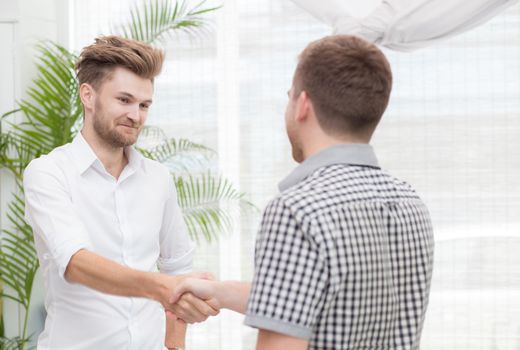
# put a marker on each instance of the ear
(87, 96)
(303, 107)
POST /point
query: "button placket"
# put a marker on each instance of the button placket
(123, 226)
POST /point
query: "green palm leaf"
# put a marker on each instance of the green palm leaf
(18, 257)
(18, 263)
(16, 154)
(50, 113)
(173, 148)
(202, 199)
(54, 106)
(179, 155)
(156, 20)
(151, 136)
(15, 343)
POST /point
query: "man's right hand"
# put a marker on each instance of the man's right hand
(187, 306)
(202, 288)
(232, 295)
(104, 275)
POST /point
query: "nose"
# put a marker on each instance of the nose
(134, 113)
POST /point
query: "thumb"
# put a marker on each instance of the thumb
(181, 288)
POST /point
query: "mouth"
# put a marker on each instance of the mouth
(126, 126)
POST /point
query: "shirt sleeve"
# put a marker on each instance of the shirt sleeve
(177, 249)
(50, 212)
(290, 276)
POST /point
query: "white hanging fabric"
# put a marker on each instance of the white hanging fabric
(404, 25)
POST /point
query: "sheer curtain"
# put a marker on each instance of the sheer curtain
(451, 131)
(405, 24)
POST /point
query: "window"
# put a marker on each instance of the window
(451, 131)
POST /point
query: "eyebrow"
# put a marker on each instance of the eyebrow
(129, 95)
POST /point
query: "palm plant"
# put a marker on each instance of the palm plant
(52, 117)
(49, 116)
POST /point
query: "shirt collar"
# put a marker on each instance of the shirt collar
(84, 157)
(135, 159)
(353, 154)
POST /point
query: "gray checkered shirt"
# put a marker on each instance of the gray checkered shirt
(344, 256)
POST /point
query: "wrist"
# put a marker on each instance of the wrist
(233, 295)
(156, 287)
(222, 294)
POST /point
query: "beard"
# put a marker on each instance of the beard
(109, 133)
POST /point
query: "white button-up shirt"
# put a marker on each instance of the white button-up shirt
(72, 202)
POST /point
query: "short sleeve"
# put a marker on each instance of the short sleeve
(49, 211)
(290, 276)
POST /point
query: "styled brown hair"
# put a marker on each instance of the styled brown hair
(97, 61)
(348, 81)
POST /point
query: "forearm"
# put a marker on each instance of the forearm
(175, 332)
(233, 295)
(107, 276)
(268, 340)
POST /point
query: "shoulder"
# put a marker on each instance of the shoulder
(51, 163)
(159, 173)
(156, 168)
(47, 169)
(277, 207)
(343, 186)
(286, 210)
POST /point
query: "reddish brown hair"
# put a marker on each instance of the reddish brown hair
(98, 60)
(348, 81)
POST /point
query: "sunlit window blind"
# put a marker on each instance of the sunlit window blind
(451, 131)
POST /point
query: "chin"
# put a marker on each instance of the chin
(130, 141)
(121, 140)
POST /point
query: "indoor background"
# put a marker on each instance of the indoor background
(452, 130)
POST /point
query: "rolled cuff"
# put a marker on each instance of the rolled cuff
(178, 265)
(63, 255)
(278, 326)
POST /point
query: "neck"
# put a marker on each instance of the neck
(113, 158)
(315, 144)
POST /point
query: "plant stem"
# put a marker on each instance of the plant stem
(26, 318)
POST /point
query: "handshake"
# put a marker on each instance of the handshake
(194, 297)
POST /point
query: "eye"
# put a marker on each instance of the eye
(123, 99)
(144, 106)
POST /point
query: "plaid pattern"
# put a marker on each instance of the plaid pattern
(344, 258)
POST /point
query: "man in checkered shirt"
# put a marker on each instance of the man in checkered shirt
(344, 253)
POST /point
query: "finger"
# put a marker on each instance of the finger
(189, 316)
(187, 312)
(201, 305)
(213, 303)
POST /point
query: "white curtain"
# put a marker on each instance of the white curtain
(404, 24)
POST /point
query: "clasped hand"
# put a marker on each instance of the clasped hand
(181, 303)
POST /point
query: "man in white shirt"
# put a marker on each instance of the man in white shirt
(108, 230)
